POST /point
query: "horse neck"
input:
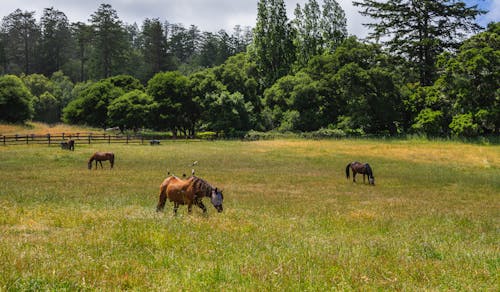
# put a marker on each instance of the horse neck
(204, 186)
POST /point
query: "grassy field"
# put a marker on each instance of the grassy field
(291, 220)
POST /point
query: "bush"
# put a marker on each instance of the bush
(325, 134)
(464, 126)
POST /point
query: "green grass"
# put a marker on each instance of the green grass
(291, 220)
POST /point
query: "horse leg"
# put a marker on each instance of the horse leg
(354, 176)
(100, 162)
(199, 203)
(176, 206)
(190, 207)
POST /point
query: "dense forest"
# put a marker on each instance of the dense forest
(426, 68)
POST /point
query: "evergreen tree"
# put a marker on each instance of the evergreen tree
(420, 30)
(21, 37)
(56, 37)
(82, 34)
(154, 46)
(273, 48)
(110, 42)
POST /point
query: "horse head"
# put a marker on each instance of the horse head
(217, 199)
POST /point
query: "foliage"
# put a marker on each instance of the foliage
(318, 30)
(420, 30)
(91, 105)
(109, 39)
(272, 48)
(20, 33)
(471, 79)
(131, 110)
(463, 125)
(225, 112)
(175, 110)
(15, 100)
(429, 122)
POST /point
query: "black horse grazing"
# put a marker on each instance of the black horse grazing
(188, 192)
(363, 168)
(102, 156)
(70, 145)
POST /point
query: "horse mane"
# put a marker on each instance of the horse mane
(202, 185)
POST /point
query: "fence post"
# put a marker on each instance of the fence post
(127, 138)
(63, 135)
(109, 139)
(90, 136)
(142, 139)
(4, 140)
(27, 139)
(48, 138)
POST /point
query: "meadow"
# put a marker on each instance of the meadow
(291, 220)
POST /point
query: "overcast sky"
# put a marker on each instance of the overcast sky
(207, 15)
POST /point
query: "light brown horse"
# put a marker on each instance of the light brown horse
(102, 156)
(363, 168)
(188, 192)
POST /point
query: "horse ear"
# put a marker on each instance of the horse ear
(192, 171)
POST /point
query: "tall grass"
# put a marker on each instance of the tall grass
(291, 220)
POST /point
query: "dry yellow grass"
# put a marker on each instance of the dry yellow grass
(38, 128)
(454, 153)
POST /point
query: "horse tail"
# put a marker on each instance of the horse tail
(162, 199)
(347, 170)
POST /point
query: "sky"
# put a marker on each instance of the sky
(207, 15)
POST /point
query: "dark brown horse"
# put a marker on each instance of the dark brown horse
(363, 168)
(70, 145)
(188, 192)
(102, 156)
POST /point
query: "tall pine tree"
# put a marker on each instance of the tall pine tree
(272, 47)
(420, 30)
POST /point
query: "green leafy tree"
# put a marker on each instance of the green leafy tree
(62, 88)
(464, 125)
(91, 105)
(239, 74)
(224, 112)
(272, 48)
(47, 108)
(131, 110)
(333, 25)
(175, 110)
(295, 104)
(15, 100)
(420, 30)
(318, 30)
(126, 82)
(429, 122)
(471, 79)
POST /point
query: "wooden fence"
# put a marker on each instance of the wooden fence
(79, 138)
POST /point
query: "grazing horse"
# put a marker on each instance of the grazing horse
(363, 168)
(188, 192)
(70, 145)
(102, 156)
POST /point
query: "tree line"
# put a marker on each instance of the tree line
(426, 68)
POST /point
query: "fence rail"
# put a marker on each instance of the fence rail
(79, 138)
